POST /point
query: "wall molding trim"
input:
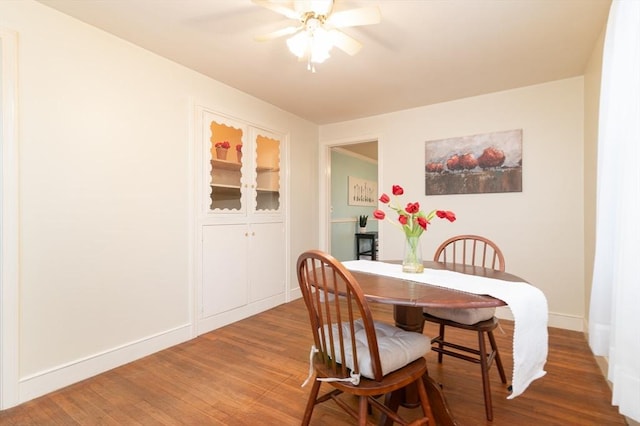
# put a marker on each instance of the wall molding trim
(56, 378)
(557, 320)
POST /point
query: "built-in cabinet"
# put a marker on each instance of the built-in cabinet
(241, 223)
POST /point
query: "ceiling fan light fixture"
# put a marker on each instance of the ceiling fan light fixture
(314, 45)
(319, 29)
(298, 44)
(321, 45)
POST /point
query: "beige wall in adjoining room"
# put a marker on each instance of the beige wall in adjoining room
(541, 229)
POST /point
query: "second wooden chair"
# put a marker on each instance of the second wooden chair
(479, 251)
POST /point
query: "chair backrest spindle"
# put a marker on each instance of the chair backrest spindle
(471, 250)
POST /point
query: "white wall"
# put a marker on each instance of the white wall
(105, 208)
(540, 229)
(592, 80)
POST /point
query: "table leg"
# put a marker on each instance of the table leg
(410, 318)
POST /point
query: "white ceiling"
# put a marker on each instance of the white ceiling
(423, 51)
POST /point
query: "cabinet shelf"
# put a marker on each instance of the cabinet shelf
(267, 169)
(233, 165)
(224, 164)
(222, 187)
(233, 187)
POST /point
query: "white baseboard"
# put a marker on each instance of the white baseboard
(56, 378)
(221, 319)
(295, 294)
(567, 322)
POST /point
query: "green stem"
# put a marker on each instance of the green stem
(412, 256)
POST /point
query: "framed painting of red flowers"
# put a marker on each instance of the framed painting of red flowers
(483, 163)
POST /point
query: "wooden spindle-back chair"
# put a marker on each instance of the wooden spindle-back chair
(477, 251)
(346, 353)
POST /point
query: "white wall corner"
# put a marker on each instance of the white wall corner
(9, 202)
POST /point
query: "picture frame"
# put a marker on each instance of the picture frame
(482, 163)
(362, 192)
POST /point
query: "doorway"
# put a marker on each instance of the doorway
(344, 162)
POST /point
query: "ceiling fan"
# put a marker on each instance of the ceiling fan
(318, 27)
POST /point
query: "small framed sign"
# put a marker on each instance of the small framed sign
(362, 192)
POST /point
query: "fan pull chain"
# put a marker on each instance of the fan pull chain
(310, 66)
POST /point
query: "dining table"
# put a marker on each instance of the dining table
(409, 298)
(409, 294)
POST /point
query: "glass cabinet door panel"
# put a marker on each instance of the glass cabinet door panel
(267, 173)
(226, 165)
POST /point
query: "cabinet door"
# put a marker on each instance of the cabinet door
(266, 260)
(224, 268)
(223, 145)
(267, 173)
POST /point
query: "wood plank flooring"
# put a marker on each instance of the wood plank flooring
(249, 373)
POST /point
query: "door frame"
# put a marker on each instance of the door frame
(324, 183)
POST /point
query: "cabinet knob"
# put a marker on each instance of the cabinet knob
(253, 234)
(246, 234)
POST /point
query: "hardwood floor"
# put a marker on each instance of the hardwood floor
(249, 373)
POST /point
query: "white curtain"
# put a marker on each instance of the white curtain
(614, 317)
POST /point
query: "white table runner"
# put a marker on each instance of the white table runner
(527, 303)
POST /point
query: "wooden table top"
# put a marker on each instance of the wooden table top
(396, 291)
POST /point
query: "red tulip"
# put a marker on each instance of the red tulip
(378, 214)
(402, 219)
(397, 190)
(412, 208)
(384, 198)
(450, 216)
(422, 222)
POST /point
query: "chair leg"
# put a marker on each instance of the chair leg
(440, 345)
(392, 401)
(311, 402)
(484, 367)
(424, 400)
(362, 415)
(497, 359)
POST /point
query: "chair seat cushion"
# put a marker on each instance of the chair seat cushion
(462, 316)
(396, 346)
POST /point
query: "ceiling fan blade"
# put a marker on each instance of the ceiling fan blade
(355, 17)
(278, 8)
(278, 33)
(344, 42)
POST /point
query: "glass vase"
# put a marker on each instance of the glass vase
(412, 260)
